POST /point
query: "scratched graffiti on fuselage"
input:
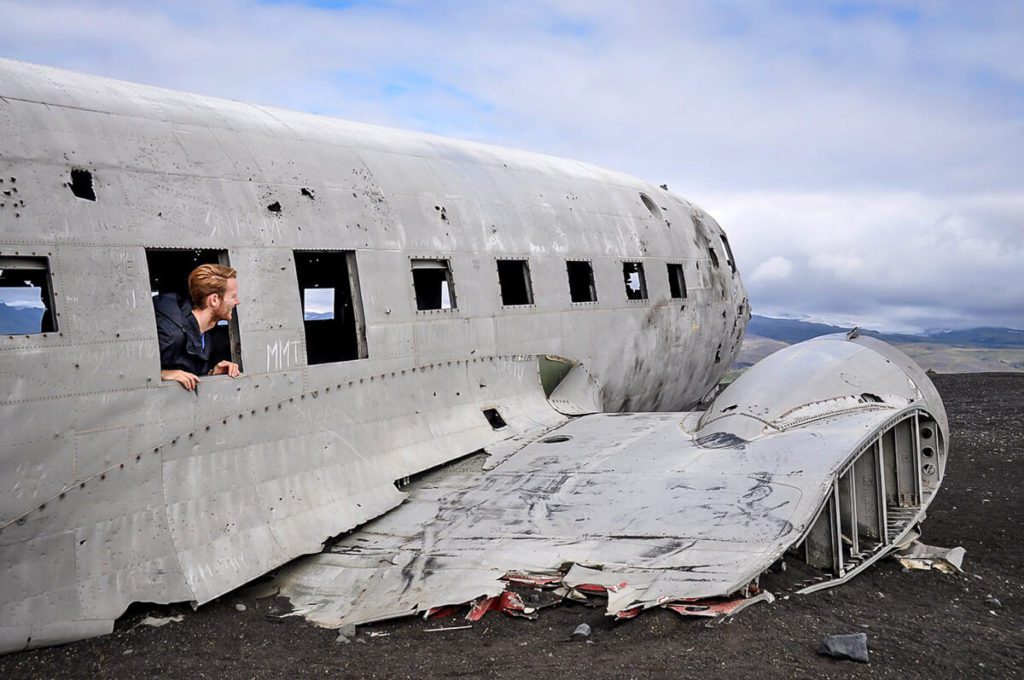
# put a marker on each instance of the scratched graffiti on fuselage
(283, 354)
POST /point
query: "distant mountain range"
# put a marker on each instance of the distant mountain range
(971, 350)
(792, 330)
(19, 320)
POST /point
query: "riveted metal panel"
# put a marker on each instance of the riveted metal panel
(94, 281)
(131, 555)
(35, 471)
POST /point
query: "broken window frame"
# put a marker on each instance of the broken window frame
(425, 264)
(714, 257)
(38, 272)
(591, 285)
(729, 259)
(180, 284)
(634, 267)
(523, 272)
(676, 280)
(315, 330)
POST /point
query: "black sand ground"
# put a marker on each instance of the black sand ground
(919, 624)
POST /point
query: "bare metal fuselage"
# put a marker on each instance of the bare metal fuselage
(116, 487)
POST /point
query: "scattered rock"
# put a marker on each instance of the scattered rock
(582, 632)
(853, 647)
(346, 634)
(239, 607)
(158, 621)
(993, 602)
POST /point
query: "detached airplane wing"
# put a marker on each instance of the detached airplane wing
(406, 300)
(829, 451)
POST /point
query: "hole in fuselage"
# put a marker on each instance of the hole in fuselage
(651, 206)
(81, 184)
(494, 418)
(556, 439)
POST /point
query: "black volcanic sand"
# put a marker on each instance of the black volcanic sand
(919, 624)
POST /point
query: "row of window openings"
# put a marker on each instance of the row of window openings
(328, 286)
(434, 287)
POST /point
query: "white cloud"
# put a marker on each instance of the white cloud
(839, 265)
(895, 261)
(775, 268)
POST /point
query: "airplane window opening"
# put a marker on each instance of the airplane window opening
(432, 282)
(581, 281)
(81, 184)
(651, 206)
(168, 273)
(730, 260)
(514, 281)
(332, 312)
(494, 418)
(26, 296)
(714, 257)
(676, 281)
(636, 283)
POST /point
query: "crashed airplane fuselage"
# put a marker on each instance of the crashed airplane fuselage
(406, 300)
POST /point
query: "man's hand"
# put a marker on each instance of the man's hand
(226, 367)
(187, 380)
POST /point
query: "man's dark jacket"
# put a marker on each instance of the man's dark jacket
(178, 332)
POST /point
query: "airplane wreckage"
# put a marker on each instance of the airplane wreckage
(516, 335)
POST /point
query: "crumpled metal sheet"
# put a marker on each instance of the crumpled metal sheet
(921, 556)
(664, 518)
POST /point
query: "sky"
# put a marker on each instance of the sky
(865, 158)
